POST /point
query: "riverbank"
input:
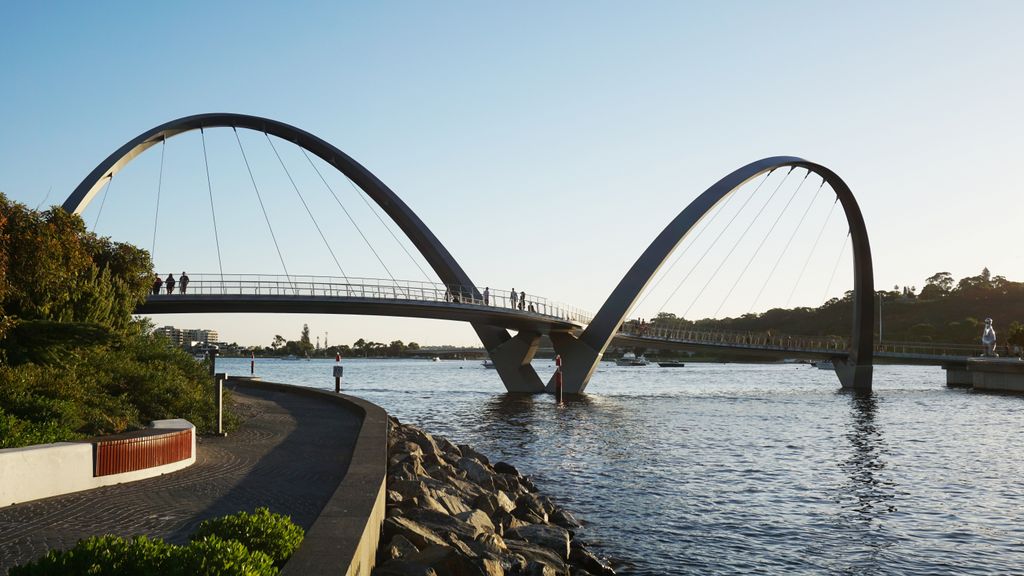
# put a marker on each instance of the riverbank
(451, 511)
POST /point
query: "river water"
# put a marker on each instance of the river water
(737, 468)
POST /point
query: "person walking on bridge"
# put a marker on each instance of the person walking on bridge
(522, 300)
(487, 296)
(183, 281)
(169, 283)
(512, 299)
(158, 283)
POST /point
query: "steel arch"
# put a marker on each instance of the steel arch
(517, 376)
(596, 338)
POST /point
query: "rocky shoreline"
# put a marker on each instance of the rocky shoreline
(451, 513)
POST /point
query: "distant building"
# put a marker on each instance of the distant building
(188, 337)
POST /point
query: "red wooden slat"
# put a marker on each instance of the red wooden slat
(119, 455)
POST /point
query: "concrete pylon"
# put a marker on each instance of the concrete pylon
(579, 361)
(853, 376)
(512, 361)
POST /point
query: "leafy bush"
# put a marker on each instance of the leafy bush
(273, 534)
(213, 556)
(103, 556)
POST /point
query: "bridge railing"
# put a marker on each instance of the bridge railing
(377, 289)
(930, 349)
(737, 339)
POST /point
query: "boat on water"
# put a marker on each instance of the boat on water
(630, 359)
(824, 365)
(436, 359)
(671, 364)
(488, 364)
(290, 357)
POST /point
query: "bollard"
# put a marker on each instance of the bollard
(252, 365)
(339, 371)
(558, 378)
(219, 391)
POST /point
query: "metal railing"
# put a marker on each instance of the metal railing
(375, 289)
(737, 339)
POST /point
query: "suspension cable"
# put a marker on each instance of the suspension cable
(683, 252)
(306, 206)
(106, 192)
(715, 241)
(347, 214)
(262, 207)
(760, 245)
(786, 247)
(813, 248)
(213, 212)
(842, 250)
(159, 186)
(45, 198)
(737, 243)
(362, 195)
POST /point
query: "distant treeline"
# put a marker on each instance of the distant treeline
(944, 311)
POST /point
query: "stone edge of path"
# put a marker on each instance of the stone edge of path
(345, 536)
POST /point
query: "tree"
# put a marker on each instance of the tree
(278, 342)
(413, 346)
(942, 280)
(396, 348)
(305, 346)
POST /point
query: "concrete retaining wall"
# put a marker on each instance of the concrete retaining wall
(344, 538)
(45, 470)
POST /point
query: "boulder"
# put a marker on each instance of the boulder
(468, 452)
(529, 516)
(453, 504)
(564, 518)
(580, 556)
(427, 502)
(478, 519)
(425, 441)
(506, 468)
(535, 568)
(441, 523)
(409, 469)
(487, 543)
(554, 538)
(406, 447)
(492, 503)
(538, 505)
(418, 534)
(446, 561)
(476, 471)
(534, 553)
(394, 497)
(402, 568)
(408, 488)
(451, 450)
(398, 547)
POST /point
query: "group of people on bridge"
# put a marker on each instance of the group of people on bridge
(169, 283)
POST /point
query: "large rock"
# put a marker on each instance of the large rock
(580, 556)
(451, 450)
(399, 546)
(491, 503)
(506, 468)
(534, 553)
(425, 441)
(478, 519)
(492, 544)
(564, 518)
(441, 523)
(476, 471)
(403, 568)
(453, 504)
(446, 561)
(420, 535)
(552, 537)
(469, 452)
(408, 488)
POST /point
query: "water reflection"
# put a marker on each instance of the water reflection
(869, 494)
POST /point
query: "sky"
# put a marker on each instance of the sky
(544, 143)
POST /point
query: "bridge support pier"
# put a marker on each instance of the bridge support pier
(853, 376)
(512, 361)
(578, 363)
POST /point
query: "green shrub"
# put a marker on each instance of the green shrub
(15, 432)
(102, 556)
(264, 531)
(212, 556)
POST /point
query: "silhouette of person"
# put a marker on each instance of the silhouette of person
(512, 298)
(988, 338)
(158, 283)
(487, 296)
(169, 283)
(182, 282)
(522, 299)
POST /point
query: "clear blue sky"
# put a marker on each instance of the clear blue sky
(546, 144)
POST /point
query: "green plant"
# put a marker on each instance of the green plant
(102, 556)
(273, 534)
(213, 556)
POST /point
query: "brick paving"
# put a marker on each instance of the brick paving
(289, 455)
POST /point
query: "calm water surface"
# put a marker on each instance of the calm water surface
(728, 468)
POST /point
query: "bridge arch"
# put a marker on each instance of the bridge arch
(580, 355)
(516, 374)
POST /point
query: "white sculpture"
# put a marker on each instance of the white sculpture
(988, 338)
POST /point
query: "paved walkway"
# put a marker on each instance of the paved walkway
(289, 455)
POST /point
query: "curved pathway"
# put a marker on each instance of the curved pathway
(289, 455)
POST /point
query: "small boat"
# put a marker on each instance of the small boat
(671, 364)
(290, 357)
(436, 359)
(824, 365)
(488, 364)
(630, 359)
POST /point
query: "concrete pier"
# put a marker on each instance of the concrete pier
(993, 374)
